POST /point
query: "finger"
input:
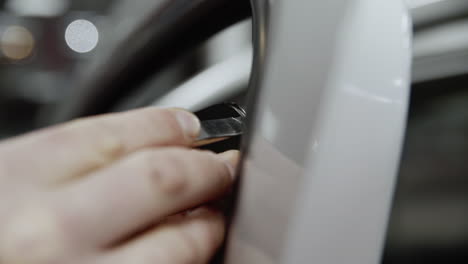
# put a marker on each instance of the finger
(193, 239)
(79, 147)
(33, 233)
(143, 189)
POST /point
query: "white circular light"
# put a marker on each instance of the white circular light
(82, 36)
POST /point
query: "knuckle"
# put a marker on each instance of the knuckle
(108, 144)
(34, 230)
(166, 171)
(172, 131)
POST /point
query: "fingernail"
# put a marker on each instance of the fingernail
(189, 123)
(231, 159)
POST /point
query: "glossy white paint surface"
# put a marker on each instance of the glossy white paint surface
(318, 179)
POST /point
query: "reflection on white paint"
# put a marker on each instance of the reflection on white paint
(368, 95)
(399, 82)
(406, 24)
(270, 126)
(421, 3)
(82, 36)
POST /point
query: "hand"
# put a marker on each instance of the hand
(112, 190)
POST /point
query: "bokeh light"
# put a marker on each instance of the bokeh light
(17, 43)
(82, 36)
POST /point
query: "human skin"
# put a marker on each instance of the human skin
(120, 188)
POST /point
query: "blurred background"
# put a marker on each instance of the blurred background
(45, 44)
(38, 56)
